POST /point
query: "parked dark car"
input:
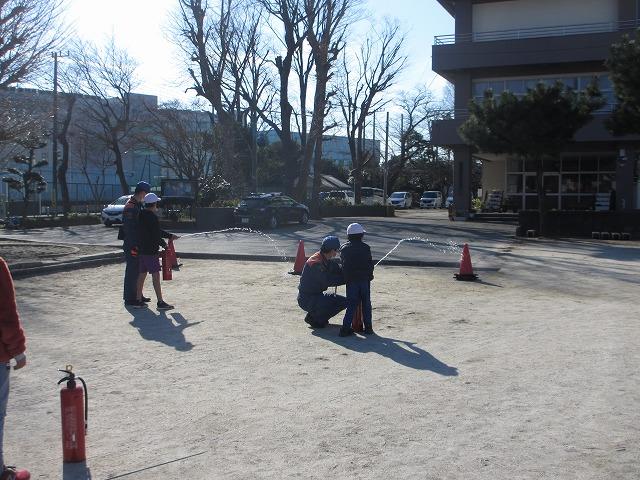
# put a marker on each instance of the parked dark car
(270, 210)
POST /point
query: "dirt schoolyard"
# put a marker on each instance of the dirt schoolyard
(534, 372)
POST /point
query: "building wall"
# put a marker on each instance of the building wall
(493, 175)
(525, 14)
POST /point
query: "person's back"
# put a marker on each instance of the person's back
(357, 267)
(149, 233)
(357, 264)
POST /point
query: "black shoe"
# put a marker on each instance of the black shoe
(135, 304)
(368, 331)
(308, 319)
(146, 299)
(164, 306)
(345, 332)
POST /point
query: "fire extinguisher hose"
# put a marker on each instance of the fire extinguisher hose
(86, 405)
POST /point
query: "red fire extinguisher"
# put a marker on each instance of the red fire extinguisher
(166, 265)
(75, 413)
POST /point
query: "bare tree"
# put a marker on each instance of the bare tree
(183, 139)
(303, 66)
(291, 16)
(29, 31)
(377, 65)
(107, 79)
(418, 110)
(206, 37)
(326, 24)
(69, 102)
(90, 154)
(252, 83)
(28, 180)
(21, 116)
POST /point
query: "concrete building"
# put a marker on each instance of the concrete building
(91, 176)
(335, 148)
(514, 44)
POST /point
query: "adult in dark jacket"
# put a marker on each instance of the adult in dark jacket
(320, 272)
(129, 232)
(150, 239)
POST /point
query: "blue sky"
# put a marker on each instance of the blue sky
(138, 26)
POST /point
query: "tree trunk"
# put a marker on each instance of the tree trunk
(64, 166)
(317, 127)
(288, 146)
(124, 186)
(317, 180)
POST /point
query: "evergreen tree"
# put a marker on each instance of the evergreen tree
(624, 65)
(27, 180)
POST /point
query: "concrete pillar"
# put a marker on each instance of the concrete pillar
(462, 180)
(464, 19)
(628, 9)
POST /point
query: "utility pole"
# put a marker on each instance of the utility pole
(54, 163)
(386, 158)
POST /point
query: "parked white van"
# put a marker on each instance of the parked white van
(401, 199)
(372, 196)
(431, 199)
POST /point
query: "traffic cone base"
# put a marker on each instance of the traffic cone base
(301, 258)
(466, 269)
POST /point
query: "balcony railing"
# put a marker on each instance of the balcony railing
(537, 32)
(459, 113)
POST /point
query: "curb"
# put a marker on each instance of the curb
(30, 269)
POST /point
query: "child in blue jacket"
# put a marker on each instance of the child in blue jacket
(357, 267)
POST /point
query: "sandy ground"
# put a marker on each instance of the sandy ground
(532, 373)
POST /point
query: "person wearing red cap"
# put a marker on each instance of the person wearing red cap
(12, 347)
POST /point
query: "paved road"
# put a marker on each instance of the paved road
(487, 241)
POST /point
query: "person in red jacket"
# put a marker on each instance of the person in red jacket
(12, 347)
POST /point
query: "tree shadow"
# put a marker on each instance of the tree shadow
(158, 327)
(76, 471)
(400, 351)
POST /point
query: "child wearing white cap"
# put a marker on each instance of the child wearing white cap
(151, 238)
(357, 267)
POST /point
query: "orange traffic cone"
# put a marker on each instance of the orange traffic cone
(466, 270)
(357, 324)
(301, 258)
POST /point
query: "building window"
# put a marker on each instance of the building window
(520, 85)
(570, 182)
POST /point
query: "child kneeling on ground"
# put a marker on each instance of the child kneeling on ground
(150, 238)
(357, 266)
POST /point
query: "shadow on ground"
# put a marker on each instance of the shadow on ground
(76, 471)
(163, 328)
(400, 351)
